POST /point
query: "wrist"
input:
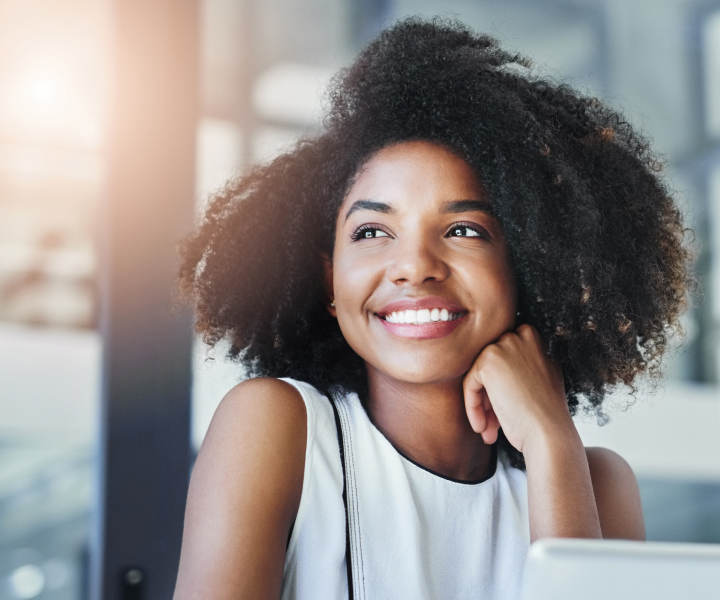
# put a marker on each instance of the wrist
(552, 439)
(560, 491)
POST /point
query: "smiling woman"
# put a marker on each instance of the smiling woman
(466, 254)
(427, 243)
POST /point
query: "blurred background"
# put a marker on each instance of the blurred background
(260, 68)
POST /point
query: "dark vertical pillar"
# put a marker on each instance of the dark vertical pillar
(145, 431)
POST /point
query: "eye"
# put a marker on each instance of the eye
(463, 230)
(367, 232)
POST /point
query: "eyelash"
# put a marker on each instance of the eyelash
(357, 235)
(481, 232)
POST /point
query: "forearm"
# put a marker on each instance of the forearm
(560, 492)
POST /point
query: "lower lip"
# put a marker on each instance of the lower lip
(426, 331)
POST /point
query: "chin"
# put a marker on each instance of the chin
(425, 372)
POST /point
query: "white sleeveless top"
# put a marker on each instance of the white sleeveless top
(413, 534)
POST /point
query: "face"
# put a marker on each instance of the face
(420, 273)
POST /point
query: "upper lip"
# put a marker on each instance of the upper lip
(419, 304)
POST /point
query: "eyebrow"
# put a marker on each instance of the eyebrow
(461, 206)
(456, 206)
(380, 207)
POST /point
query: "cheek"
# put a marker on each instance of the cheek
(506, 297)
(503, 283)
(356, 277)
(354, 280)
(492, 285)
(507, 275)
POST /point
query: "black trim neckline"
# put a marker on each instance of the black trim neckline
(493, 459)
(490, 475)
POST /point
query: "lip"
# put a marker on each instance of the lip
(420, 304)
(425, 331)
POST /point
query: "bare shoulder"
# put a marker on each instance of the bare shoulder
(264, 389)
(616, 494)
(257, 417)
(244, 494)
(259, 400)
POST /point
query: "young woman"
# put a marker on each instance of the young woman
(428, 291)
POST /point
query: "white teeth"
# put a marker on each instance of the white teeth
(420, 317)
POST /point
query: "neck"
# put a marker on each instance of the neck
(428, 424)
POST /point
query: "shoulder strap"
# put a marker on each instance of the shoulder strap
(341, 446)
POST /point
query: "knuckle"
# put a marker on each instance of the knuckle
(493, 355)
(505, 337)
(490, 351)
(526, 330)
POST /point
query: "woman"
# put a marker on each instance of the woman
(465, 257)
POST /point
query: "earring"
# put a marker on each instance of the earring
(332, 303)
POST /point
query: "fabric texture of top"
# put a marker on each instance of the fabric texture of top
(413, 533)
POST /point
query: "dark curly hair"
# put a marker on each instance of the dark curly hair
(596, 240)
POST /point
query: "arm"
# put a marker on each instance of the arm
(244, 495)
(616, 495)
(581, 492)
(570, 493)
(561, 502)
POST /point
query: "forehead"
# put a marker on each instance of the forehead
(413, 174)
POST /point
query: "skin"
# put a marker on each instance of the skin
(440, 401)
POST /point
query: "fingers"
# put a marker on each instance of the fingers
(473, 389)
(525, 330)
(492, 426)
(477, 415)
(529, 334)
(479, 408)
(489, 431)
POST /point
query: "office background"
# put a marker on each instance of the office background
(85, 200)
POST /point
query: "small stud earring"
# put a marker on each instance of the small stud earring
(332, 303)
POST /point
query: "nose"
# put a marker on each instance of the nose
(416, 260)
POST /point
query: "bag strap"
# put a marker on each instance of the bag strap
(341, 446)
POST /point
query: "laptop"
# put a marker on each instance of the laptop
(570, 569)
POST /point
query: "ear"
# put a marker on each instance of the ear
(329, 290)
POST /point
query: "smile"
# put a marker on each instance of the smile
(423, 330)
(420, 317)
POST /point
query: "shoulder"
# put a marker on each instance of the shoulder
(265, 411)
(609, 471)
(264, 392)
(616, 494)
(259, 430)
(244, 493)
(264, 418)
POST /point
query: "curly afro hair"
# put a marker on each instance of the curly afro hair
(596, 240)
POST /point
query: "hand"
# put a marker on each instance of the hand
(513, 385)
